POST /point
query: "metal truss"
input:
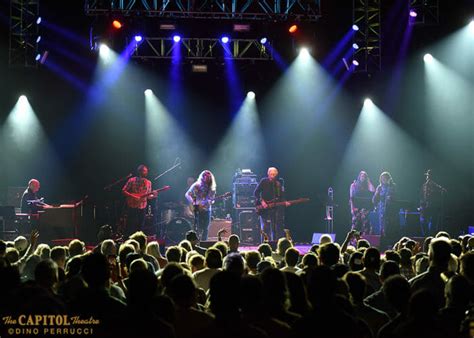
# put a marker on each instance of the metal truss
(366, 15)
(202, 49)
(427, 11)
(23, 35)
(298, 10)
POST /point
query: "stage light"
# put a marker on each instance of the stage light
(263, 41)
(225, 39)
(38, 21)
(104, 50)
(471, 26)
(355, 62)
(428, 58)
(368, 101)
(304, 51)
(38, 39)
(23, 99)
(38, 57)
(117, 24)
(355, 46)
(355, 28)
(176, 38)
(148, 92)
(251, 95)
(293, 29)
(413, 13)
(138, 38)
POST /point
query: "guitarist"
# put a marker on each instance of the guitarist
(136, 205)
(200, 194)
(268, 190)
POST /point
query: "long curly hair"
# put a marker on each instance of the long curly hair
(212, 185)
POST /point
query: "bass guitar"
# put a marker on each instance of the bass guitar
(271, 205)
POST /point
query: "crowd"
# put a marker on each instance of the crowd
(348, 290)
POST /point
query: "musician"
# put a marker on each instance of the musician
(360, 200)
(384, 199)
(200, 194)
(430, 204)
(134, 190)
(270, 189)
(30, 203)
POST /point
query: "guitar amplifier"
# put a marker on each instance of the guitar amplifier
(249, 227)
(217, 224)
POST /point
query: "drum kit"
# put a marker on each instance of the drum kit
(176, 220)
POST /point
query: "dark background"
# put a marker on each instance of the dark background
(88, 148)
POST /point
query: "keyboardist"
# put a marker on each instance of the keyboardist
(30, 204)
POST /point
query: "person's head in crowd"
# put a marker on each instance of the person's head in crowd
(73, 266)
(138, 264)
(321, 285)
(371, 259)
(21, 244)
(458, 292)
(422, 305)
(292, 256)
(265, 250)
(234, 262)
(153, 249)
(340, 269)
(405, 257)
(213, 258)
(275, 288)
(363, 243)
(357, 286)
(141, 238)
(170, 271)
(467, 266)
(355, 261)
(185, 244)
(30, 267)
(96, 271)
(124, 250)
(328, 254)
(310, 260)
(3, 248)
(12, 255)
(183, 291)
(282, 245)
(108, 248)
(426, 243)
(222, 247)
(464, 243)
(105, 232)
(135, 244)
(46, 274)
(439, 253)
(443, 234)
(224, 304)
(196, 262)
(392, 255)
(192, 237)
(131, 257)
(422, 264)
(142, 287)
(396, 290)
(470, 243)
(234, 242)
(325, 239)
(253, 258)
(314, 248)
(173, 254)
(263, 265)
(189, 255)
(76, 248)
(410, 244)
(388, 268)
(456, 247)
(58, 255)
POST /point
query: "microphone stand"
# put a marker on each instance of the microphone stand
(111, 185)
(176, 164)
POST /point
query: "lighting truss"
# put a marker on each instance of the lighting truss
(427, 11)
(202, 49)
(23, 33)
(366, 15)
(300, 10)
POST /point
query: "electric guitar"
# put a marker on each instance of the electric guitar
(204, 204)
(271, 205)
(134, 200)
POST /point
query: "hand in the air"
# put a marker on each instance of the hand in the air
(264, 204)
